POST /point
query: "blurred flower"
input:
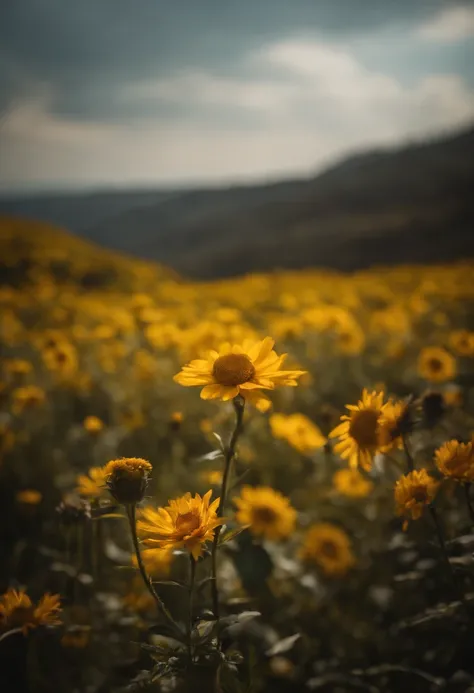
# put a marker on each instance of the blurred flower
(176, 419)
(351, 483)
(29, 496)
(92, 485)
(235, 370)
(329, 547)
(456, 460)
(395, 422)
(462, 342)
(157, 561)
(267, 511)
(62, 358)
(436, 364)
(18, 611)
(413, 491)
(298, 430)
(186, 522)
(18, 366)
(360, 432)
(76, 637)
(27, 397)
(127, 477)
(93, 424)
(212, 477)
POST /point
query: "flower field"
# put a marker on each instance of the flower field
(261, 484)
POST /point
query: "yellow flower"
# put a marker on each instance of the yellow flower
(18, 366)
(157, 561)
(92, 485)
(212, 477)
(456, 460)
(29, 496)
(18, 611)
(234, 370)
(436, 364)
(360, 432)
(351, 483)
(329, 548)
(93, 424)
(62, 358)
(298, 430)
(127, 478)
(186, 522)
(267, 511)
(462, 342)
(27, 397)
(413, 491)
(394, 422)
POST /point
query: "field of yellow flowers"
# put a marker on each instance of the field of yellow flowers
(260, 484)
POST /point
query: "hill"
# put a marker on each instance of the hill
(410, 204)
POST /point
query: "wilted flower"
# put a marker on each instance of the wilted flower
(186, 522)
(267, 512)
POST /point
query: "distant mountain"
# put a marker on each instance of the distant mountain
(411, 204)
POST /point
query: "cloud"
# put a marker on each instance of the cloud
(451, 25)
(307, 102)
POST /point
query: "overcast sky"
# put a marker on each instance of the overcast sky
(126, 92)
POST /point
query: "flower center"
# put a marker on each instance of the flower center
(419, 494)
(436, 365)
(265, 515)
(328, 549)
(187, 523)
(233, 369)
(363, 428)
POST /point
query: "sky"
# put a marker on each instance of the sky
(117, 93)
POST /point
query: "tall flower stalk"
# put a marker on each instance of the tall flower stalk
(229, 454)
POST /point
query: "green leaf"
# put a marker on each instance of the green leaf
(231, 534)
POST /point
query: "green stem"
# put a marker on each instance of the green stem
(239, 406)
(467, 493)
(439, 533)
(408, 455)
(191, 607)
(131, 514)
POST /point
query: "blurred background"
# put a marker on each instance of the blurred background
(301, 170)
(245, 136)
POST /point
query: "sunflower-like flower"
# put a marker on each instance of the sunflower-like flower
(186, 522)
(267, 512)
(395, 421)
(18, 611)
(244, 370)
(456, 460)
(28, 397)
(360, 434)
(351, 483)
(462, 342)
(329, 547)
(93, 484)
(436, 364)
(413, 492)
(298, 430)
(126, 478)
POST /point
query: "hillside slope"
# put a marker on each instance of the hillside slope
(404, 205)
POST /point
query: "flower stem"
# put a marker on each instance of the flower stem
(131, 514)
(192, 576)
(439, 533)
(239, 406)
(408, 455)
(467, 493)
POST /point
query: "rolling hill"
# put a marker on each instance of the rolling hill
(410, 204)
